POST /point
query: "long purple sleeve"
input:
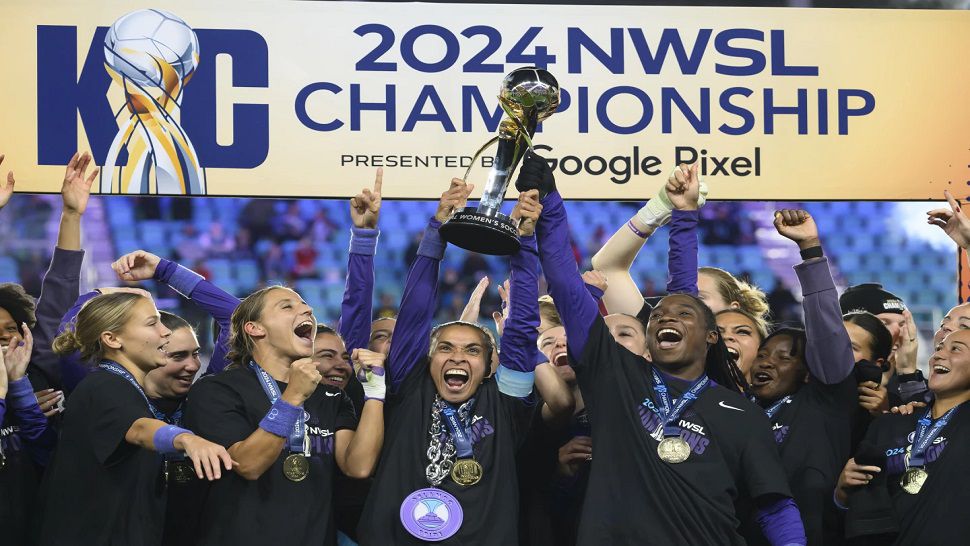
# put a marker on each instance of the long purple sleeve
(38, 437)
(781, 523)
(576, 306)
(58, 291)
(3, 408)
(212, 299)
(517, 360)
(413, 328)
(682, 253)
(71, 368)
(829, 351)
(356, 310)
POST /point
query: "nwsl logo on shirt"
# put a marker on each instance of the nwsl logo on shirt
(480, 429)
(692, 433)
(321, 440)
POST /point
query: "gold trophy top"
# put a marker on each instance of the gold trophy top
(528, 95)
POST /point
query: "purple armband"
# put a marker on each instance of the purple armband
(634, 229)
(164, 439)
(281, 418)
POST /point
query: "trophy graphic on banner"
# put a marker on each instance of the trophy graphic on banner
(151, 54)
(528, 95)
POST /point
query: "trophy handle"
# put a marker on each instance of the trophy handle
(523, 132)
(478, 154)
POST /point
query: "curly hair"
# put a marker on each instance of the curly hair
(19, 304)
(748, 296)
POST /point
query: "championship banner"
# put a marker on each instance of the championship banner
(306, 99)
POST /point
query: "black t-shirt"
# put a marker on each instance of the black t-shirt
(934, 515)
(813, 432)
(490, 507)
(226, 408)
(98, 486)
(19, 475)
(633, 496)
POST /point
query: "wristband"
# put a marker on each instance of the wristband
(514, 382)
(281, 418)
(164, 439)
(812, 252)
(634, 229)
(372, 379)
(903, 378)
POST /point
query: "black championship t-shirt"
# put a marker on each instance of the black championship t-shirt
(226, 408)
(633, 497)
(99, 489)
(813, 432)
(936, 515)
(490, 507)
(19, 474)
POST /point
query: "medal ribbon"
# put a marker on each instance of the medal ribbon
(667, 411)
(926, 432)
(175, 419)
(459, 433)
(774, 408)
(297, 440)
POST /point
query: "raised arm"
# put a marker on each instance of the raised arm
(356, 310)
(576, 306)
(684, 191)
(517, 359)
(828, 351)
(413, 329)
(616, 257)
(61, 283)
(140, 265)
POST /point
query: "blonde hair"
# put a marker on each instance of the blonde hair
(760, 324)
(104, 313)
(241, 345)
(548, 313)
(749, 297)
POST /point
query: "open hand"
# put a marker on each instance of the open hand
(952, 221)
(77, 185)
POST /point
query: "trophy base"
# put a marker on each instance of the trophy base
(495, 235)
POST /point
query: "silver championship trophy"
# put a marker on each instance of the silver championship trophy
(528, 96)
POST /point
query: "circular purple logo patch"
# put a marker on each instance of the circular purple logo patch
(431, 514)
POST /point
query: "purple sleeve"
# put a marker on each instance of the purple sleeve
(58, 291)
(576, 306)
(682, 253)
(3, 409)
(521, 328)
(71, 368)
(356, 310)
(828, 351)
(781, 522)
(413, 326)
(212, 299)
(38, 437)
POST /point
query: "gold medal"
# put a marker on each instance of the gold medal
(673, 450)
(466, 472)
(913, 479)
(296, 467)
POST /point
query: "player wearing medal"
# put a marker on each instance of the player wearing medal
(803, 381)
(676, 446)
(112, 435)
(448, 471)
(907, 480)
(908, 477)
(285, 429)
